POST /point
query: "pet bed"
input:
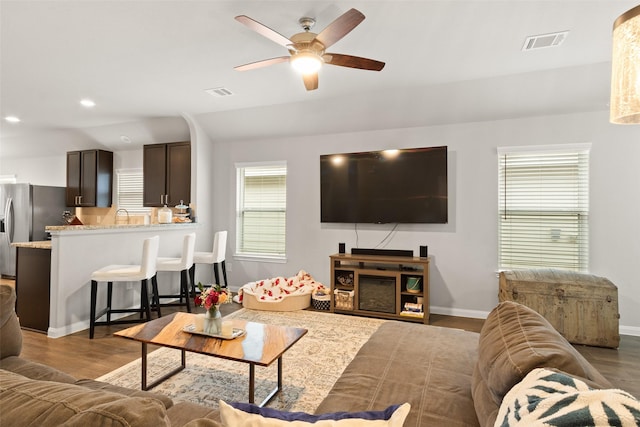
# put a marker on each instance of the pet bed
(279, 293)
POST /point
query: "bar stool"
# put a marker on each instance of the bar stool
(182, 264)
(215, 257)
(125, 273)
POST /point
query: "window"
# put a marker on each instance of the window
(129, 189)
(544, 207)
(262, 209)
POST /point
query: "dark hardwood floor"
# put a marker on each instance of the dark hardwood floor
(81, 357)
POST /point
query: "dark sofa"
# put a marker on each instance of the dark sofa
(32, 394)
(449, 376)
(453, 377)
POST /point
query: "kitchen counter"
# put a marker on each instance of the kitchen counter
(44, 244)
(79, 250)
(53, 228)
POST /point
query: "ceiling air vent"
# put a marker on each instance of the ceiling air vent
(219, 91)
(544, 40)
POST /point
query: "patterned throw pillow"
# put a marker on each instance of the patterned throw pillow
(247, 415)
(552, 398)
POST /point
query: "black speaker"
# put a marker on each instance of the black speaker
(341, 248)
(382, 252)
(424, 252)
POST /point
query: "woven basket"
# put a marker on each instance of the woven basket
(343, 299)
(321, 302)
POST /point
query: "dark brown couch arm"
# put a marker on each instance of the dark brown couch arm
(10, 333)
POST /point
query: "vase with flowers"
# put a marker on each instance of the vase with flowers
(210, 299)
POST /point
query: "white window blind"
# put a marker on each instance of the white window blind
(130, 191)
(544, 208)
(262, 210)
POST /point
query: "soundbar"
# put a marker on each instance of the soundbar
(382, 252)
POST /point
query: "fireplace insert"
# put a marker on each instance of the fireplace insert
(377, 293)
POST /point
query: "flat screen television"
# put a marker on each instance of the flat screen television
(390, 186)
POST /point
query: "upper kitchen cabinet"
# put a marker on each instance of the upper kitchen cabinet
(167, 174)
(89, 178)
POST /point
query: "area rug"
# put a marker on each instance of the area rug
(310, 367)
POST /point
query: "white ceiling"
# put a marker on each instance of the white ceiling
(145, 63)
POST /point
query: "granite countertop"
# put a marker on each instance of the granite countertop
(112, 226)
(44, 244)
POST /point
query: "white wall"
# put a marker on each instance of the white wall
(130, 159)
(203, 201)
(464, 252)
(53, 170)
(37, 170)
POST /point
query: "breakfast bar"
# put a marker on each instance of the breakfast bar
(77, 251)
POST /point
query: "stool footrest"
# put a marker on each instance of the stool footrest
(119, 322)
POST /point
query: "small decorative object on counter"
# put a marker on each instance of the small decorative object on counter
(164, 215)
(67, 217)
(210, 298)
(182, 213)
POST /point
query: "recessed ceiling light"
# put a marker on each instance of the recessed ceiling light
(87, 103)
(125, 139)
(12, 119)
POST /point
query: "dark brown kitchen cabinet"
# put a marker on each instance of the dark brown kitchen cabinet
(33, 271)
(167, 173)
(89, 178)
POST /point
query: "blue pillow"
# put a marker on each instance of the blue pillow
(247, 415)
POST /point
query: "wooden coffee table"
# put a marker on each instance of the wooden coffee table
(260, 345)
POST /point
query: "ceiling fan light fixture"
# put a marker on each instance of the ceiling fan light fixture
(306, 62)
(625, 73)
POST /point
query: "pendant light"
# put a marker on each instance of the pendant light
(625, 73)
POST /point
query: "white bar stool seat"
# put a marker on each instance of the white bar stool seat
(215, 257)
(125, 273)
(182, 264)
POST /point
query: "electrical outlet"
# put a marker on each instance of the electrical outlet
(228, 267)
(129, 286)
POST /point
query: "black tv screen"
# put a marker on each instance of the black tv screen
(390, 186)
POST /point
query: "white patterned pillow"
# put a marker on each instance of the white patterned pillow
(551, 398)
(247, 415)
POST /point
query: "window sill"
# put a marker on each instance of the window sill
(260, 258)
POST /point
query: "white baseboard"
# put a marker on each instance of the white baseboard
(458, 312)
(68, 329)
(83, 324)
(476, 314)
(630, 330)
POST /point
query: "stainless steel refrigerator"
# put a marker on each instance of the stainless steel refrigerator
(25, 211)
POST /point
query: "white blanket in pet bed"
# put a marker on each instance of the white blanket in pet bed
(279, 293)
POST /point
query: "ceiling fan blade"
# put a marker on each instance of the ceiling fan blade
(263, 30)
(263, 63)
(310, 81)
(353, 62)
(340, 27)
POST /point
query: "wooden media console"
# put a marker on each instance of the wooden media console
(388, 287)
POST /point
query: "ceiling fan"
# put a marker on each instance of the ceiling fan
(307, 50)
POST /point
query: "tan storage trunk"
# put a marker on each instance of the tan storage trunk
(582, 307)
